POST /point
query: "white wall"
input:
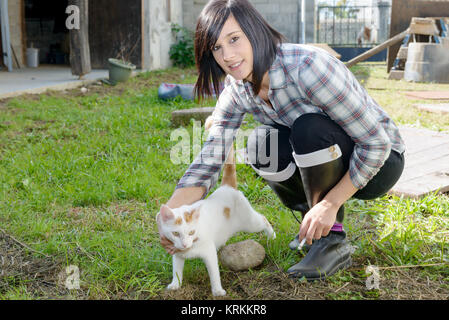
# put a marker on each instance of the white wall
(157, 36)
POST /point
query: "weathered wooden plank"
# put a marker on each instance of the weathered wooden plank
(428, 155)
(430, 168)
(422, 186)
(426, 163)
(435, 108)
(417, 140)
(79, 42)
(428, 95)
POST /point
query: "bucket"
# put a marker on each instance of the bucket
(427, 62)
(32, 57)
(119, 71)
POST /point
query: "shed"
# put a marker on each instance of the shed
(141, 26)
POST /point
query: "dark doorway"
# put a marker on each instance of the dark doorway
(115, 28)
(46, 30)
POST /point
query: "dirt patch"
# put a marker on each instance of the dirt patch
(40, 276)
(274, 284)
(44, 278)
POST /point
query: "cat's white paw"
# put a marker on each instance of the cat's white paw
(173, 286)
(269, 229)
(270, 233)
(220, 292)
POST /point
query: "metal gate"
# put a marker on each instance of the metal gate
(342, 25)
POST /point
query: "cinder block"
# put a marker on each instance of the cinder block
(182, 117)
(396, 75)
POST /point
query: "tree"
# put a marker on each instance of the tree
(343, 10)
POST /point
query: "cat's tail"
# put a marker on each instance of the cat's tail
(229, 171)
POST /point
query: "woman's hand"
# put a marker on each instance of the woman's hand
(318, 221)
(180, 197)
(168, 245)
(165, 243)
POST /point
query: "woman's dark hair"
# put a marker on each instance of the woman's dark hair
(263, 38)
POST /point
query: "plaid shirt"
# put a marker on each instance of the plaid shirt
(303, 79)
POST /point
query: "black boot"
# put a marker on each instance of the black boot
(331, 253)
(291, 193)
(325, 257)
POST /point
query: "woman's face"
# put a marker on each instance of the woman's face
(233, 51)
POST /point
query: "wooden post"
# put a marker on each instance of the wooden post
(397, 38)
(6, 42)
(79, 41)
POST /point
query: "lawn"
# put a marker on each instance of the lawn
(82, 177)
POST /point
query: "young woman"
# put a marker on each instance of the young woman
(323, 138)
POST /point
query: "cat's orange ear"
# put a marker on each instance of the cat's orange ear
(166, 213)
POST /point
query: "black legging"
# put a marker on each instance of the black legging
(313, 132)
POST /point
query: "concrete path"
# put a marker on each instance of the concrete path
(426, 163)
(38, 80)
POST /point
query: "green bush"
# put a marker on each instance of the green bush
(181, 52)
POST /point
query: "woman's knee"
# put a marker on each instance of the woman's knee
(313, 132)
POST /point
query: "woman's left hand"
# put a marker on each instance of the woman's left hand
(318, 221)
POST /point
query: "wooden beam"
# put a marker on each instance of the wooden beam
(397, 38)
(24, 33)
(79, 41)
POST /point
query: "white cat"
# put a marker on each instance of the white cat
(200, 229)
(367, 35)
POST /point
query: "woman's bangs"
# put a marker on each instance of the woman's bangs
(214, 27)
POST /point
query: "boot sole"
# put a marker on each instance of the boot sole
(341, 266)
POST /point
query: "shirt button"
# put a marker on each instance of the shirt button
(332, 149)
(334, 155)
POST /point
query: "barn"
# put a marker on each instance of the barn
(137, 29)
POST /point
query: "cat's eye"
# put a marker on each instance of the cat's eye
(176, 234)
(191, 233)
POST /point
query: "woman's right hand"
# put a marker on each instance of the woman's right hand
(179, 197)
(165, 242)
(168, 245)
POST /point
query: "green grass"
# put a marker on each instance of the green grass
(83, 176)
